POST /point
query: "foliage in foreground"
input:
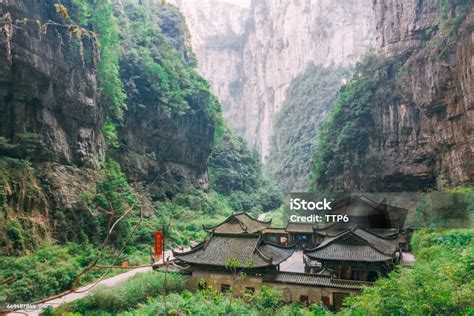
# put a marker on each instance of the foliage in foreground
(50, 270)
(211, 302)
(203, 302)
(127, 295)
(440, 283)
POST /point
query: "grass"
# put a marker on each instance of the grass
(126, 295)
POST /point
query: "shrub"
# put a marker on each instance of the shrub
(50, 270)
(440, 282)
(130, 293)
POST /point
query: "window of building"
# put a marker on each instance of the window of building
(326, 301)
(345, 273)
(360, 275)
(304, 299)
(283, 240)
(225, 288)
(300, 237)
(273, 239)
(250, 290)
(373, 275)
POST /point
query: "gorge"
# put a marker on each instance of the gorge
(256, 55)
(121, 119)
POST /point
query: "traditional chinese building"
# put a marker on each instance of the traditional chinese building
(247, 252)
(335, 261)
(356, 254)
(236, 245)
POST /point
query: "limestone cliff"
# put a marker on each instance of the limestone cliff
(251, 54)
(46, 90)
(49, 115)
(440, 114)
(52, 118)
(415, 132)
(217, 36)
(163, 136)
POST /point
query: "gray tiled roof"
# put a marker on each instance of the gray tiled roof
(239, 223)
(243, 248)
(383, 244)
(349, 253)
(355, 245)
(278, 254)
(299, 228)
(315, 280)
(274, 230)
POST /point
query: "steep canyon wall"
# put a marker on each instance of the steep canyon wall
(251, 54)
(417, 133)
(52, 117)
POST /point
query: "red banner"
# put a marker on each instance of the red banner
(158, 243)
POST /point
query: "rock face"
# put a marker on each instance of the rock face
(431, 136)
(157, 144)
(50, 115)
(51, 121)
(218, 32)
(166, 148)
(251, 57)
(421, 137)
(46, 92)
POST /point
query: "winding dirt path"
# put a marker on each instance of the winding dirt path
(85, 290)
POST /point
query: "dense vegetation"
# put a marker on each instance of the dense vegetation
(156, 64)
(236, 173)
(345, 134)
(309, 99)
(98, 16)
(19, 173)
(440, 283)
(149, 298)
(125, 296)
(50, 270)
